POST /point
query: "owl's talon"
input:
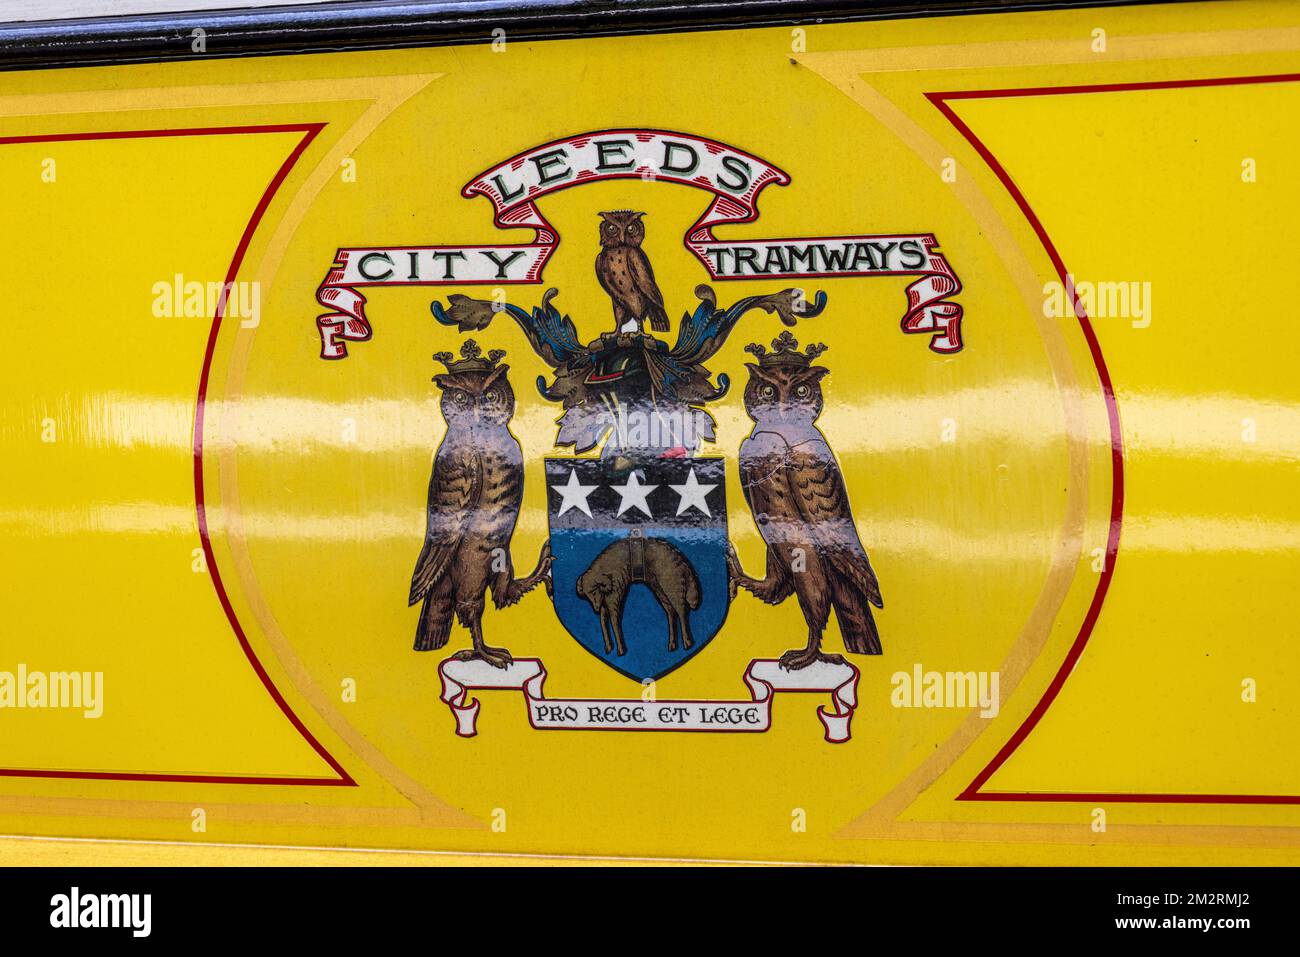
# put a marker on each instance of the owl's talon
(496, 657)
(736, 577)
(794, 660)
(801, 658)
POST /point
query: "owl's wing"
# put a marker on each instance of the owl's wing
(643, 277)
(454, 490)
(602, 270)
(817, 489)
(762, 456)
(762, 464)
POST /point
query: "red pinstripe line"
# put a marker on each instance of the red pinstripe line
(973, 790)
(309, 131)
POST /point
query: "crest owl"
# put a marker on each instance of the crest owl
(796, 493)
(624, 272)
(474, 496)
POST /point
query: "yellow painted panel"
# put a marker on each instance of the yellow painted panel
(1203, 585)
(215, 502)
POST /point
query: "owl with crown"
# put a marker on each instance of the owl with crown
(794, 488)
(475, 492)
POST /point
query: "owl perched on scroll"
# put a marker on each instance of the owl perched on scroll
(475, 492)
(794, 488)
(624, 273)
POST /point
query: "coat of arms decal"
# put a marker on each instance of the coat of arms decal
(638, 564)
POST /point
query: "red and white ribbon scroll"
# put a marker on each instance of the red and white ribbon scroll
(733, 177)
(764, 677)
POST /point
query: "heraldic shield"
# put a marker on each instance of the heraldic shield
(640, 557)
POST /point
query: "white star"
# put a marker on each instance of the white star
(632, 494)
(575, 494)
(694, 494)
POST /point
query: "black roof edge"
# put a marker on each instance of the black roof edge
(392, 24)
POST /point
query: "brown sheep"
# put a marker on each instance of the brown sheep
(660, 567)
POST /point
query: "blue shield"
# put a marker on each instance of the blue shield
(640, 557)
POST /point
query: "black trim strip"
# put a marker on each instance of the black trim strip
(388, 24)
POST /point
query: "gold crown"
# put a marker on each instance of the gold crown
(471, 358)
(786, 352)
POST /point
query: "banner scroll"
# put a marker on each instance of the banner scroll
(764, 677)
(733, 177)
